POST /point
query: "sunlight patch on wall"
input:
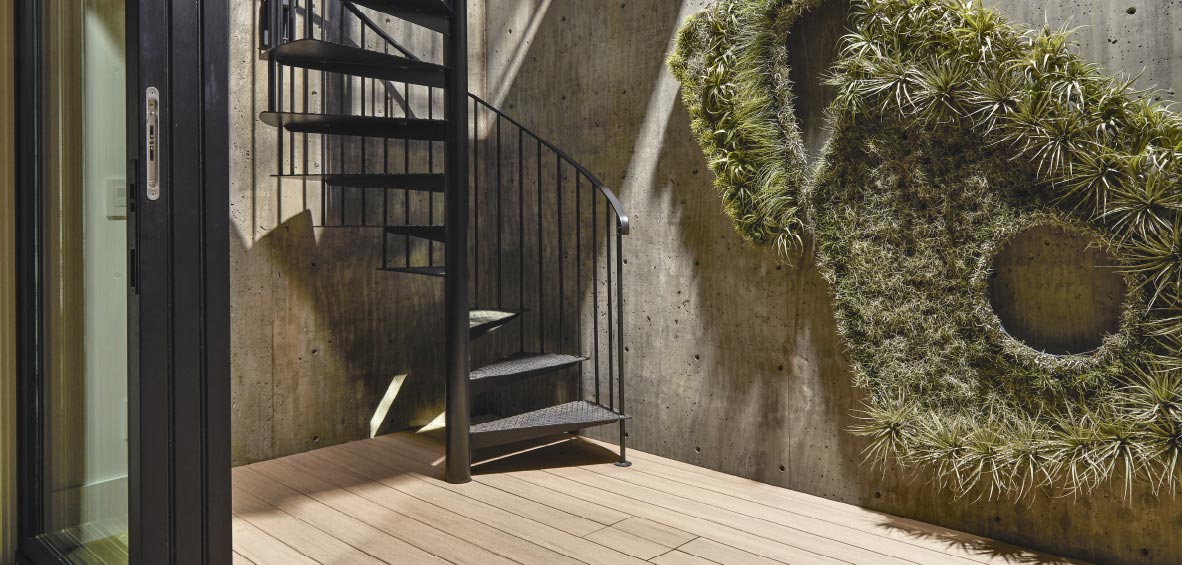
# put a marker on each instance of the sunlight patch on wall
(650, 139)
(379, 415)
(513, 65)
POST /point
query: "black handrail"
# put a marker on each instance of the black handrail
(617, 207)
(367, 22)
(543, 264)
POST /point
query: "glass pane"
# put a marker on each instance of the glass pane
(85, 273)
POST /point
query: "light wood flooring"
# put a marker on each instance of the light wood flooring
(382, 501)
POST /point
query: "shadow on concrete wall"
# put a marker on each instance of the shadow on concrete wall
(347, 343)
(734, 362)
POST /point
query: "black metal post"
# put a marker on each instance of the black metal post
(459, 456)
(623, 462)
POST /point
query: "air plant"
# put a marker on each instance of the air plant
(953, 129)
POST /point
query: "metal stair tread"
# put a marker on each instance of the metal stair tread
(570, 416)
(428, 271)
(481, 321)
(433, 233)
(366, 126)
(518, 367)
(431, 14)
(322, 55)
(427, 182)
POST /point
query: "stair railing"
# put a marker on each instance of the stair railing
(547, 235)
(565, 274)
(290, 89)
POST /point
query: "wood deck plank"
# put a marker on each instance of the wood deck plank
(403, 525)
(519, 505)
(299, 535)
(561, 501)
(444, 520)
(627, 543)
(350, 530)
(837, 549)
(261, 548)
(368, 461)
(676, 557)
(946, 540)
(780, 516)
(738, 538)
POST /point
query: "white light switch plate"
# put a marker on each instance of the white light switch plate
(117, 198)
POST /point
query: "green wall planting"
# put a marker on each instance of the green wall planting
(953, 131)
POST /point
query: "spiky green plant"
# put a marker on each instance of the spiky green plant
(955, 129)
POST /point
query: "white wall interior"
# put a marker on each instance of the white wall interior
(105, 233)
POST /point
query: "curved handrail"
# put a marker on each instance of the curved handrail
(617, 207)
(367, 22)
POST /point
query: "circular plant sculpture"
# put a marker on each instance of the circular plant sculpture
(954, 131)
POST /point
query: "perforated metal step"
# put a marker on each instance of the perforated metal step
(431, 14)
(336, 58)
(427, 271)
(518, 367)
(405, 181)
(481, 322)
(366, 126)
(555, 419)
(433, 233)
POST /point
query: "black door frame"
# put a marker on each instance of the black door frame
(178, 398)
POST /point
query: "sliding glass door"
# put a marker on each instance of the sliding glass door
(122, 281)
(81, 262)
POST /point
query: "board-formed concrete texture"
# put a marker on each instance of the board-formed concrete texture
(326, 348)
(733, 360)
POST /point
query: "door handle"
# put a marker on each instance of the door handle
(152, 138)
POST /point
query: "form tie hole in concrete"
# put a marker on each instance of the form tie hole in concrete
(697, 450)
(1055, 291)
(1132, 10)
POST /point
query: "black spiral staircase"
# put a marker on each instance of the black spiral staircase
(522, 246)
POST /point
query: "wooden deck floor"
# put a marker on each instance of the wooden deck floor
(382, 501)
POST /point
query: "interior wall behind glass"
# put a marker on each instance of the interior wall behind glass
(85, 273)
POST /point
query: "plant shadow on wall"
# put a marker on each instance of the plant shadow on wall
(955, 131)
(323, 345)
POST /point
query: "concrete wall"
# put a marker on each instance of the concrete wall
(326, 348)
(733, 360)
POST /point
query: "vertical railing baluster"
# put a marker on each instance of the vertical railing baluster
(541, 264)
(595, 287)
(308, 13)
(579, 268)
(476, 209)
(364, 140)
(521, 231)
(304, 149)
(406, 113)
(430, 169)
(561, 249)
(341, 96)
(323, 137)
(611, 365)
(387, 111)
(500, 298)
(623, 462)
